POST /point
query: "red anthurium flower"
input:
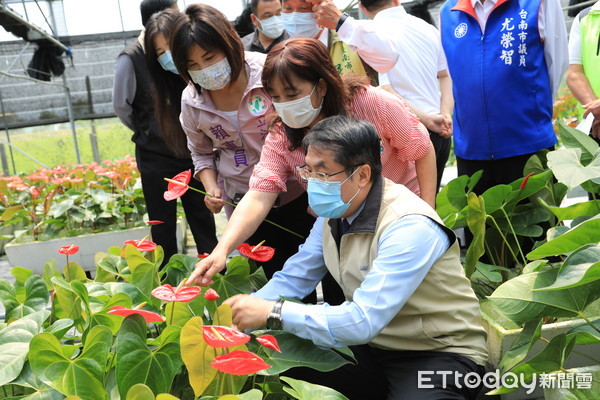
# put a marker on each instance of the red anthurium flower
(222, 336)
(203, 255)
(175, 190)
(68, 250)
(34, 192)
(211, 295)
(260, 254)
(142, 245)
(181, 294)
(239, 362)
(524, 183)
(155, 222)
(269, 341)
(149, 316)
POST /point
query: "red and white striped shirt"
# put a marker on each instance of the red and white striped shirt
(403, 140)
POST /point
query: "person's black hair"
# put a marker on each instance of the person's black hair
(373, 5)
(254, 5)
(353, 142)
(149, 7)
(166, 86)
(243, 23)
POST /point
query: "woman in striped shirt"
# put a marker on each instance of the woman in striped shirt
(305, 88)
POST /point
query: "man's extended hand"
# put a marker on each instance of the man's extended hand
(249, 312)
(206, 268)
(439, 123)
(592, 107)
(326, 13)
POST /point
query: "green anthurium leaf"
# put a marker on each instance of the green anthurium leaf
(524, 223)
(10, 212)
(14, 344)
(130, 290)
(21, 275)
(584, 233)
(590, 208)
(535, 183)
(451, 200)
(517, 300)
(60, 327)
(101, 316)
(137, 363)
(50, 271)
(586, 333)
(178, 314)
(535, 266)
(302, 390)
(568, 169)
(253, 394)
(550, 359)
(574, 138)
(491, 273)
(140, 392)
(258, 279)
(197, 356)
(73, 398)
(21, 301)
(81, 291)
(82, 376)
(297, 352)
(170, 334)
(143, 273)
(179, 267)
(74, 272)
(581, 267)
(42, 391)
(476, 217)
(528, 337)
(235, 281)
(66, 304)
(494, 198)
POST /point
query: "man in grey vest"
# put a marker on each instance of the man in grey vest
(409, 311)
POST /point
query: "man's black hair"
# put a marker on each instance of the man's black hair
(149, 7)
(254, 5)
(372, 5)
(353, 142)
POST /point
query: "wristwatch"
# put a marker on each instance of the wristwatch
(274, 317)
(341, 21)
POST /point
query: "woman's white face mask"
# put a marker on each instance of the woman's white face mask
(298, 113)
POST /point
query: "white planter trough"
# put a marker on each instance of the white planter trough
(33, 255)
(500, 338)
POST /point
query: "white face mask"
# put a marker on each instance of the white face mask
(302, 25)
(272, 27)
(215, 77)
(298, 113)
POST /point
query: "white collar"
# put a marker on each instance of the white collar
(473, 2)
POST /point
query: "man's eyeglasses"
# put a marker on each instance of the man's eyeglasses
(305, 173)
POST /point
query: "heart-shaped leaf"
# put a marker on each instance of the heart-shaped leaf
(568, 169)
(14, 344)
(235, 281)
(580, 268)
(580, 235)
(302, 390)
(82, 376)
(32, 297)
(137, 363)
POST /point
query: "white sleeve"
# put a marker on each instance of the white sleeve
(383, 80)
(575, 42)
(376, 46)
(553, 32)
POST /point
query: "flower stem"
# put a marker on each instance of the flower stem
(172, 312)
(515, 236)
(232, 205)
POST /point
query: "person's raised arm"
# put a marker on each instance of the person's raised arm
(247, 216)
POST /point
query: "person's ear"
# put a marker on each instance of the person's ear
(254, 20)
(322, 87)
(364, 175)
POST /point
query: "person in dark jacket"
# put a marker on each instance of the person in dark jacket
(160, 147)
(268, 23)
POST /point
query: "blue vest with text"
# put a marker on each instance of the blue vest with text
(502, 91)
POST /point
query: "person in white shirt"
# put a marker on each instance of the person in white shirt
(408, 54)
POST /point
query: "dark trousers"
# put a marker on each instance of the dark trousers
(442, 152)
(397, 375)
(154, 167)
(495, 172)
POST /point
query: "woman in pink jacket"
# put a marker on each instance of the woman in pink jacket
(225, 114)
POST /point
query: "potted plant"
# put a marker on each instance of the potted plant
(133, 332)
(541, 312)
(89, 205)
